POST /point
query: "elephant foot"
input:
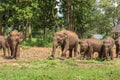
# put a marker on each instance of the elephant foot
(17, 58)
(51, 57)
(3, 56)
(63, 55)
(112, 58)
(117, 56)
(69, 57)
(83, 58)
(62, 58)
(12, 57)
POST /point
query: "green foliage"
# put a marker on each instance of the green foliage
(88, 16)
(38, 42)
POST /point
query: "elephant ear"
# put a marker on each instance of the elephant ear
(21, 36)
(66, 39)
(65, 36)
(89, 46)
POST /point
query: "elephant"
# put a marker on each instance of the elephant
(68, 40)
(89, 46)
(117, 43)
(3, 44)
(14, 39)
(108, 45)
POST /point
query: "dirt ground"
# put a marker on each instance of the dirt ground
(27, 54)
(33, 53)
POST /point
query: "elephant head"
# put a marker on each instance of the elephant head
(106, 46)
(84, 45)
(59, 39)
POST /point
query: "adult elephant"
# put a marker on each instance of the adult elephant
(89, 46)
(117, 43)
(68, 40)
(108, 45)
(14, 39)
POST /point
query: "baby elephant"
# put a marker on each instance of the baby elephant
(108, 45)
(89, 46)
(117, 43)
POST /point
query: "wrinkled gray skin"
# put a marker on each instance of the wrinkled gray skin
(68, 40)
(89, 46)
(14, 39)
(117, 43)
(3, 44)
(108, 45)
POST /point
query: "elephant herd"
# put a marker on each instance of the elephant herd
(68, 40)
(12, 43)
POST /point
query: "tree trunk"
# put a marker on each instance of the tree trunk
(69, 15)
(27, 29)
(1, 33)
(44, 32)
(23, 28)
(30, 31)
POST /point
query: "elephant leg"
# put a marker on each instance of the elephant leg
(70, 53)
(12, 54)
(117, 53)
(88, 56)
(64, 52)
(90, 53)
(100, 54)
(4, 51)
(84, 56)
(11, 51)
(17, 53)
(76, 50)
(62, 49)
(8, 51)
(111, 54)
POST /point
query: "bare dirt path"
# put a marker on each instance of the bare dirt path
(31, 53)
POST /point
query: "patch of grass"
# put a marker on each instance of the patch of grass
(60, 70)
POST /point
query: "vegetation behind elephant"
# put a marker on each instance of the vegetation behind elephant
(3, 44)
(117, 43)
(89, 46)
(68, 40)
(108, 48)
(14, 39)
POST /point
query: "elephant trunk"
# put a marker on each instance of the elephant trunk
(13, 49)
(106, 52)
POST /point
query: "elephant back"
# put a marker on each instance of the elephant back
(73, 37)
(95, 43)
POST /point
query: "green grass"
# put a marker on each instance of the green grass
(60, 70)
